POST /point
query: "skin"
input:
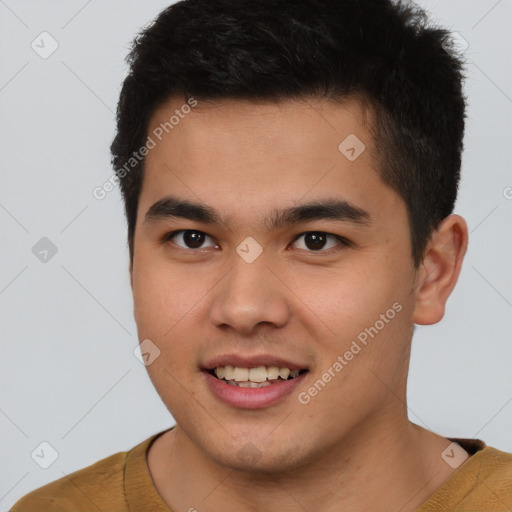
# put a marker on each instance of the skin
(352, 446)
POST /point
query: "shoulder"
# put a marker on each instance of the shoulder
(483, 482)
(496, 468)
(490, 479)
(95, 487)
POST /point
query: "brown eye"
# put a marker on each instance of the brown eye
(190, 239)
(193, 239)
(315, 241)
(319, 241)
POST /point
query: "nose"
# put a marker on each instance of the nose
(250, 295)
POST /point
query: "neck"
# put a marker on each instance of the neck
(382, 465)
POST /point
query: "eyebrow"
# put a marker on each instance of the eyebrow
(170, 207)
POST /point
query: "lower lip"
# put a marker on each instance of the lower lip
(252, 398)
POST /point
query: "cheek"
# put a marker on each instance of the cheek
(162, 295)
(168, 302)
(365, 356)
(344, 302)
(164, 306)
(368, 313)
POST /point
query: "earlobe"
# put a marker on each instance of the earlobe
(440, 269)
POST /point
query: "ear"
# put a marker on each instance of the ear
(439, 270)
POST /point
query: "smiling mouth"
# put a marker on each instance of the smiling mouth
(258, 377)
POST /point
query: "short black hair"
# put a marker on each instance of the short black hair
(387, 53)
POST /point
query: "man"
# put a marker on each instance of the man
(289, 172)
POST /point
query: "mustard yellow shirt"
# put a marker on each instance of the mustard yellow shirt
(122, 483)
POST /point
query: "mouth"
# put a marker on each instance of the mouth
(256, 377)
(253, 381)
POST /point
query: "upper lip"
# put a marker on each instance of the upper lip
(252, 361)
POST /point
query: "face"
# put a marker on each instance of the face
(262, 244)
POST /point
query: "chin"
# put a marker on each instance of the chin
(266, 461)
(258, 454)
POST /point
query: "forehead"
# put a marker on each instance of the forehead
(248, 156)
(294, 127)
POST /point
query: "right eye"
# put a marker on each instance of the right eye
(189, 239)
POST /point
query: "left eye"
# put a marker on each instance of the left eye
(319, 241)
(190, 239)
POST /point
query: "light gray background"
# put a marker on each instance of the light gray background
(68, 373)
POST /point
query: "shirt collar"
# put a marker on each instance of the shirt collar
(140, 492)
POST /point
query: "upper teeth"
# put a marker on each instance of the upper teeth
(259, 374)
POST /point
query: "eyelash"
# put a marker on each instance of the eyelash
(344, 243)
